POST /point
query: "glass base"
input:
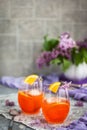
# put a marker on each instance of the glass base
(55, 126)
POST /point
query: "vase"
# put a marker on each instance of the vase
(76, 74)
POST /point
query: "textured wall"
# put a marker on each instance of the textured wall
(23, 23)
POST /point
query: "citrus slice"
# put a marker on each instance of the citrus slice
(31, 79)
(54, 87)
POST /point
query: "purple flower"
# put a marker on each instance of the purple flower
(65, 35)
(44, 59)
(82, 44)
(54, 53)
(9, 103)
(65, 85)
(40, 62)
(65, 49)
(79, 103)
(66, 42)
(68, 55)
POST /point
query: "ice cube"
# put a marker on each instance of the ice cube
(35, 92)
(55, 100)
(52, 99)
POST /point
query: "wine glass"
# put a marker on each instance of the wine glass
(56, 106)
(30, 97)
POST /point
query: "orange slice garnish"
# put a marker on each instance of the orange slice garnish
(54, 87)
(31, 79)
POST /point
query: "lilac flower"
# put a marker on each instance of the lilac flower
(44, 59)
(65, 35)
(68, 55)
(65, 50)
(82, 44)
(65, 85)
(66, 41)
(61, 51)
(40, 62)
(54, 53)
(79, 103)
(9, 103)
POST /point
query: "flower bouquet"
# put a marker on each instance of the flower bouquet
(70, 54)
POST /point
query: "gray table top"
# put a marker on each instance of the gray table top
(17, 126)
(3, 121)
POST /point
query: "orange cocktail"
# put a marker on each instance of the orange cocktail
(30, 101)
(55, 110)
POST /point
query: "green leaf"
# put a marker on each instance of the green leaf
(66, 64)
(55, 61)
(77, 56)
(83, 52)
(73, 53)
(49, 44)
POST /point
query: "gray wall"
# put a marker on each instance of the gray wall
(23, 23)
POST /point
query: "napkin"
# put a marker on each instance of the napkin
(80, 124)
(79, 93)
(17, 82)
(12, 82)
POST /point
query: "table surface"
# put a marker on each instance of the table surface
(3, 121)
(18, 126)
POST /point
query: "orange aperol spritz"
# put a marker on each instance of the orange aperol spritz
(55, 110)
(56, 103)
(30, 96)
(30, 101)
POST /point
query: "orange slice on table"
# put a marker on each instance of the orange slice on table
(54, 87)
(31, 79)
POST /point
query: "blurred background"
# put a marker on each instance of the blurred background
(23, 24)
